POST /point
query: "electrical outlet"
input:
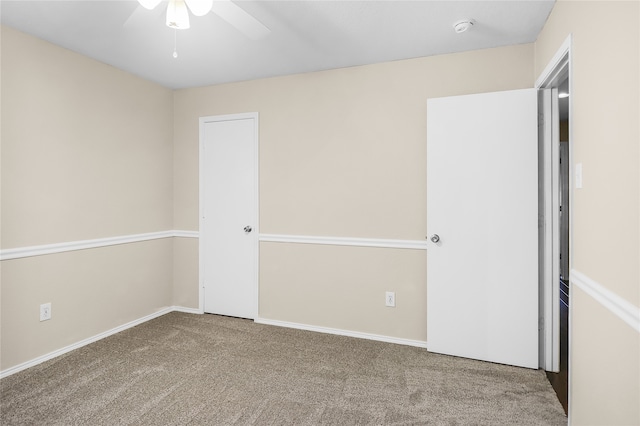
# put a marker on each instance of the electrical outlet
(45, 311)
(390, 299)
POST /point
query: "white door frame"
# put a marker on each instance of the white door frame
(554, 73)
(201, 194)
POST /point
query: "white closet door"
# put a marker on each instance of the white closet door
(229, 215)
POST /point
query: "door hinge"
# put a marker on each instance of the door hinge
(541, 323)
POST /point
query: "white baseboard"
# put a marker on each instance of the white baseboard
(341, 332)
(187, 310)
(51, 355)
(327, 330)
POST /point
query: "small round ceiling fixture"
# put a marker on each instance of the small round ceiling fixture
(463, 25)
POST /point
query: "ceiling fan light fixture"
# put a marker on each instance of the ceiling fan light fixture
(149, 4)
(199, 7)
(177, 15)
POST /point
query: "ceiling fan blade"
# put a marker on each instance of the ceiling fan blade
(243, 21)
(140, 16)
(149, 4)
(199, 7)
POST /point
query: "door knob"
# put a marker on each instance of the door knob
(247, 229)
(435, 238)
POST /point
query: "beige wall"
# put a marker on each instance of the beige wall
(185, 272)
(86, 153)
(86, 148)
(605, 355)
(90, 291)
(605, 96)
(342, 154)
(605, 366)
(344, 288)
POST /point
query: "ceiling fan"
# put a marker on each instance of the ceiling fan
(178, 15)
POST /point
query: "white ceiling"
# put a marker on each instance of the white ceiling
(305, 35)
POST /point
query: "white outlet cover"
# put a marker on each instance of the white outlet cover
(390, 299)
(45, 311)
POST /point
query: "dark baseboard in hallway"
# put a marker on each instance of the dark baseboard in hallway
(560, 380)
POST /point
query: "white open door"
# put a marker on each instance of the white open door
(229, 214)
(482, 217)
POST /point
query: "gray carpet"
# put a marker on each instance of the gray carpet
(190, 369)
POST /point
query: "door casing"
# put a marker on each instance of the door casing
(554, 73)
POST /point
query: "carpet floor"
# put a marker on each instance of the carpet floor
(187, 369)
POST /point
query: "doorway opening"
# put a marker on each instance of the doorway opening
(555, 230)
(560, 379)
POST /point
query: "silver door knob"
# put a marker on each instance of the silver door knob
(435, 238)
(247, 229)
